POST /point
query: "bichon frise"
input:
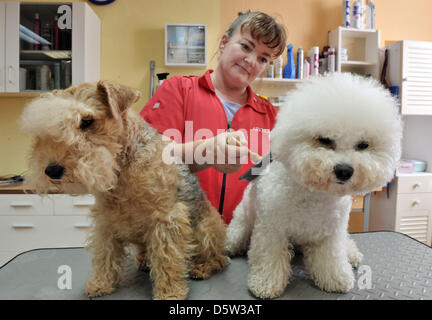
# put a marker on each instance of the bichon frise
(337, 135)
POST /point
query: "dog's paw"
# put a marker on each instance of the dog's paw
(335, 279)
(204, 270)
(267, 282)
(176, 291)
(96, 288)
(354, 258)
(354, 255)
(265, 288)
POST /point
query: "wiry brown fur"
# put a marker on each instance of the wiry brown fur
(157, 207)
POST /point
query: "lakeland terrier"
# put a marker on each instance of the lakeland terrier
(88, 140)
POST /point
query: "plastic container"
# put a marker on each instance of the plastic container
(306, 69)
(331, 60)
(300, 58)
(346, 18)
(370, 15)
(314, 58)
(36, 29)
(270, 70)
(278, 67)
(289, 69)
(357, 15)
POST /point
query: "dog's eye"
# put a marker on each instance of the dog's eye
(329, 143)
(363, 145)
(85, 123)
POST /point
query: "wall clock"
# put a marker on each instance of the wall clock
(101, 2)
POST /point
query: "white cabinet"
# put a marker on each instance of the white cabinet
(407, 208)
(362, 50)
(29, 221)
(42, 51)
(185, 44)
(410, 68)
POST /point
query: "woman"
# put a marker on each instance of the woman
(216, 115)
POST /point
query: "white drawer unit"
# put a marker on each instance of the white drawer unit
(29, 221)
(25, 204)
(407, 208)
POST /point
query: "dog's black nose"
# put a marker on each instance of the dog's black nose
(54, 171)
(343, 172)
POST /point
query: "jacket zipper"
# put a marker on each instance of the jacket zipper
(222, 195)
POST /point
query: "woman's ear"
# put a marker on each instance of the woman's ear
(223, 42)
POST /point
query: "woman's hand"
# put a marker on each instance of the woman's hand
(226, 152)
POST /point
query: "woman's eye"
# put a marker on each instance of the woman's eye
(245, 47)
(263, 60)
(85, 123)
(363, 145)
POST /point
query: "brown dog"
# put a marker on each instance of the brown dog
(88, 140)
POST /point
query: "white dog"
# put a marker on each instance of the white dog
(338, 135)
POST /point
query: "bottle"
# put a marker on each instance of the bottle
(306, 69)
(356, 15)
(314, 68)
(161, 77)
(46, 33)
(270, 70)
(289, 69)
(299, 69)
(278, 67)
(36, 29)
(370, 15)
(346, 21)
(331, 60)
(55, 35)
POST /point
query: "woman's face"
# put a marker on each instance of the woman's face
(243, 58)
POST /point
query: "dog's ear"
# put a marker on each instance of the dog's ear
(117, 97)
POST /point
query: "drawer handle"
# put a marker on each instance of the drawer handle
(415, 203)
(417, 185)
(83, 204)
(23, 225)
(21, 204)
(82, 225)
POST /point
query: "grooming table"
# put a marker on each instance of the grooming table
(401, 268)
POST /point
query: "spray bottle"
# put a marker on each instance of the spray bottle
(161, 77)
(300, 57)
(289, 69)
(278, 67)
(370, 15)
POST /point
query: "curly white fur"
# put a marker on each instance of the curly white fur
(337, 119)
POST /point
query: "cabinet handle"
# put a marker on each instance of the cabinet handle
(415, 203)
(23, 225)
(417, 185)
(84, 204)
(10, 74)
(82, 225)
(21, 204)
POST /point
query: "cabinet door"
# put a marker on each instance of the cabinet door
(85, 44)
(416, 96)
(2, 45)
(413, 216)
(12, 47)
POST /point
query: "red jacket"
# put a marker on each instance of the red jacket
(188, 104)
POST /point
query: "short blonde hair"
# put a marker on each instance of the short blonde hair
(262, 28)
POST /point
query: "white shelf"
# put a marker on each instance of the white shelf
(278, 81)
(358, 63)
(414, 174)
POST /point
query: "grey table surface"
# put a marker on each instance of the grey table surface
(399, 268)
